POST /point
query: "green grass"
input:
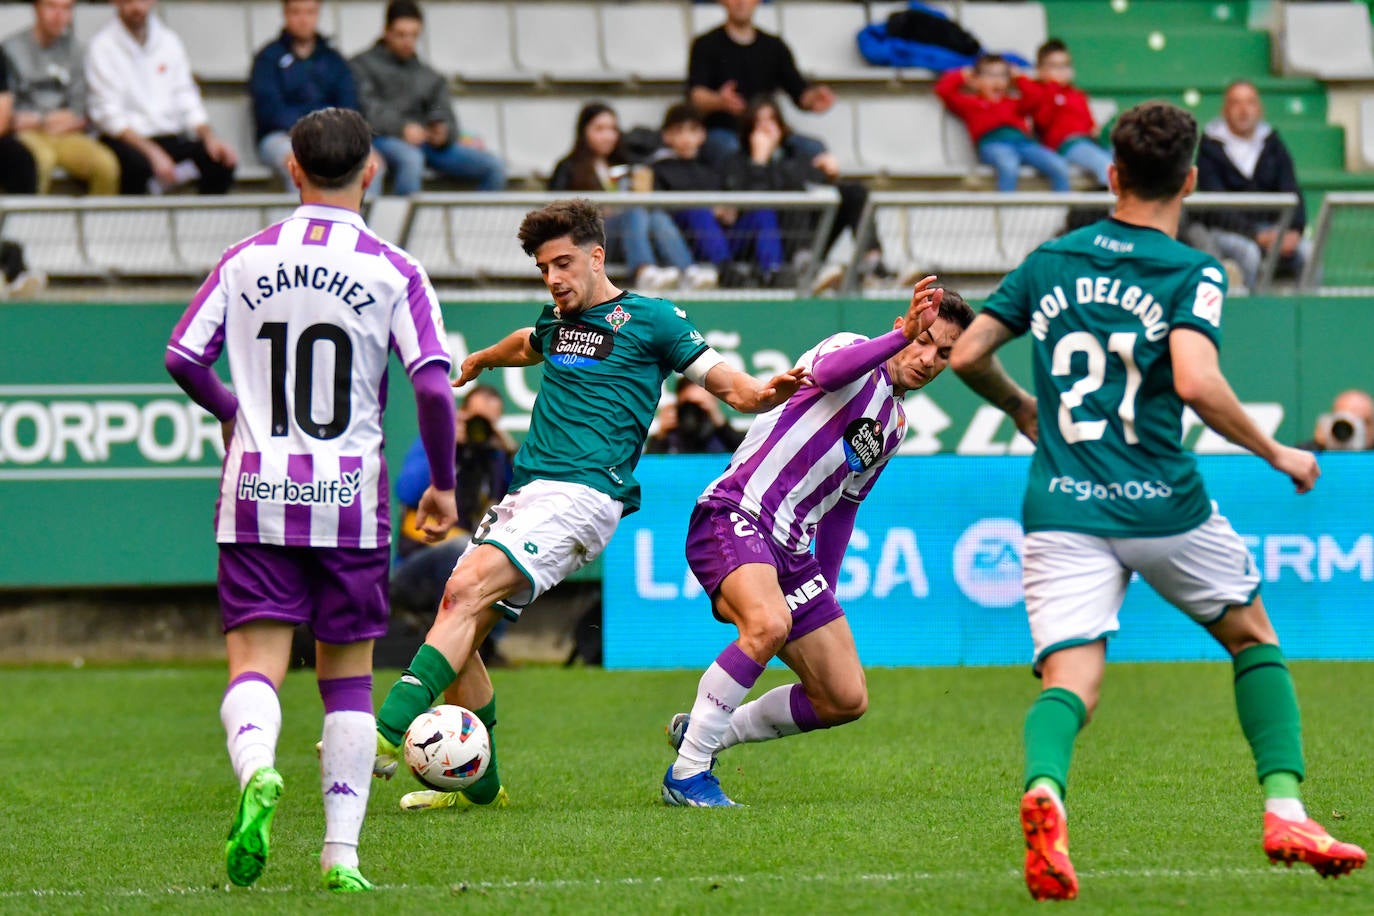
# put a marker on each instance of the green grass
(117, 794)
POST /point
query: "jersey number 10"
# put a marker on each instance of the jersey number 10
(1122, 345)
(274, 332)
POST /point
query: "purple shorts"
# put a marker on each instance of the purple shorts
(721, 538)
(340, 591)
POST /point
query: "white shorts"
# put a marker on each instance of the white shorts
(548, 529)
(1075, 583)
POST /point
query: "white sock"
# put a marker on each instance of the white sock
(1290, 809)
(718, 693)
(768, 717)
(251, 714)
(350, 744)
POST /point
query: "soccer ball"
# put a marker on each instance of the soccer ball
(447, 748)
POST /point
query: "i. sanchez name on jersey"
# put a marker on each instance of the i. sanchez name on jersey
(307, 311)
(1099, 304)
(603, 373)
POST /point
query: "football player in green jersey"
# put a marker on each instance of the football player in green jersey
(606, 353)
(1126, 322)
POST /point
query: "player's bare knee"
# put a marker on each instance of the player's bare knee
(764, 631)
(848, 705)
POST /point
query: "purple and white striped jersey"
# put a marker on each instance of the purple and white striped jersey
(799, 459)
(307, 310)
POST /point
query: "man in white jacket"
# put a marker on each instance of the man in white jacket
(148, 108)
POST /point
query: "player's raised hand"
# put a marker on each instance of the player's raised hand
(780, 387)
(469, 370)
(1299, 464)
(436, 514)
(924, 308)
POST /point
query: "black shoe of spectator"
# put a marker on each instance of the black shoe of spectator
(785, 277)
(738, 275)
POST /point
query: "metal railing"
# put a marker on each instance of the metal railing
(981, 234)
(1342, 259)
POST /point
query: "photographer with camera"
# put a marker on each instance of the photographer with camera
(692, 424)
(483, 460)
(1349, 427)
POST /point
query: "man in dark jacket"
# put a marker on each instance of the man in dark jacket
(296, 74)
(407, 104)
(1241, 152)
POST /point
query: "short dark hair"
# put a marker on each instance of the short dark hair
(1153, 145)
(403, 9)
(953, 307)
(575, 217)
(985, 60)
(482, 389)
(680, 113)
(331, 145)
(1051, 46)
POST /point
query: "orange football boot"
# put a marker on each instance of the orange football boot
(1049, 873)
(1305, 841)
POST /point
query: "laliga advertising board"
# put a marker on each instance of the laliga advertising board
(933, 574)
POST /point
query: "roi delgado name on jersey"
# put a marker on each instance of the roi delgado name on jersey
(1106, 291)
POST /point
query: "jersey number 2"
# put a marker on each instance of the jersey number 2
(1122, 345)
(274, 332)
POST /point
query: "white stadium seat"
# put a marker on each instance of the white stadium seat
(647, 40)
(357, 26)
(232, 119)
(836, 129)
(468, 242)
(999, 27)
(1328, 40)
(640, 111)
(959, 152)
(480, 118)
(706, 16)
(87, 18)
(560, 41)
(536, 133)
(216, 38)
(203, 235)
(1367, 131)
(822, 36)
(15, 17)
(903, 136)
(137, 243)
(48, 242)
(265, 24)
(473, 42)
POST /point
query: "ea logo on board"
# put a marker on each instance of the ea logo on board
(987, 562)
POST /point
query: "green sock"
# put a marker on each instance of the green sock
(484, 790)
(1269, 717)
(429, 673)
(1052, 724)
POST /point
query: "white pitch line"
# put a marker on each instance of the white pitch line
(1106, 874)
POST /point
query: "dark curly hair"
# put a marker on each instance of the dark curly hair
(1154, 144)
(576, 217)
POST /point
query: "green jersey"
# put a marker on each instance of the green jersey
(603, 373)
(1099, 304)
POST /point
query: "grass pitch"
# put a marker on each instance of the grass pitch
(117, 795)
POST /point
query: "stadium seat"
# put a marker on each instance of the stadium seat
(87, 19)
(216, 38)
(1103, 111)
(952, 239)
(358, 26)
(15, 17)
(706, 16)
(480, 118)
(822, 36)
(646, 40)
(835, 128)
(232, 119)
(202, 235)
(1367, 131)
(473, 42)
(561, 42)
(902, 137)
(265, 24)
(959, 151)
(1328, 40)
(1016, 27)
(48, 244)
(465, 242)
(536, 133)
(131, 243)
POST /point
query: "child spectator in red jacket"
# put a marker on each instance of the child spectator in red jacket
(1059, 111)
(996, 122)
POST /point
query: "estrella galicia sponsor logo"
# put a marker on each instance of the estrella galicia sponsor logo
(339, 492)
(863, 444)
(576, 345)
(987, 562)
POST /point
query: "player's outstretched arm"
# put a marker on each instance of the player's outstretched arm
(975, 362)
(512, 350)
(438, 510)
(836, 368)
(1199, 382)
(746, 393)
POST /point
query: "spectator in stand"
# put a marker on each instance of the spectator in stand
(737, 62)
(18, 173)
(693, 424)
(1349, 427)
(47, 77)
(722, 236)
(297, 73)
(148, 108)
(771, 159)
(1059, 111)
(1241, 152)
(597, 162)
(407, 104)
(996, 122)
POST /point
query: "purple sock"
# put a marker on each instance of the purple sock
(250, 676)
(803, 713)
(739, 666)
(347, 694)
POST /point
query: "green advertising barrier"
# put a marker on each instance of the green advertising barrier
(108, 473)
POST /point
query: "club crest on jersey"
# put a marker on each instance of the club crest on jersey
(618, 318)
(863, 444)
(576, 345)
(1207, 304)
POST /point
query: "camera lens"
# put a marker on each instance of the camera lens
(1342, 430)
